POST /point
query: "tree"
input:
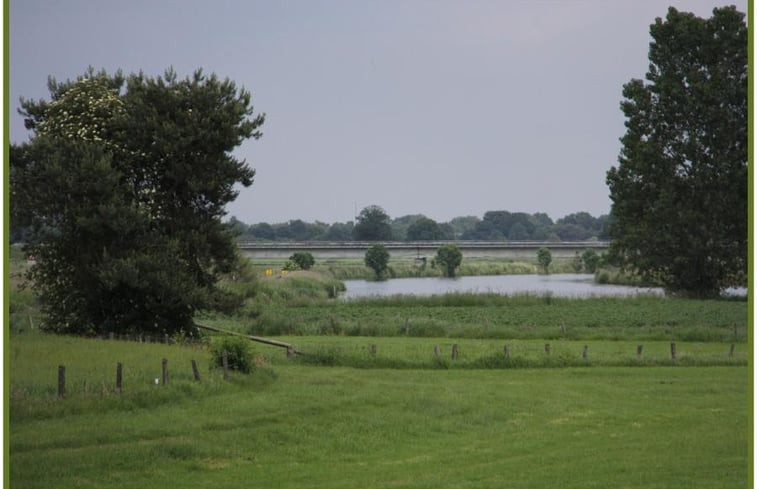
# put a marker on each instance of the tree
(263, 231)
(377, 259)
(679, 192)
(590, 260)
(544, 258)
(339, 232)
(372, 225)
(124, 185)
(425, 229)
(449, 257)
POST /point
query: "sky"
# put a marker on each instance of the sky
(441, 108)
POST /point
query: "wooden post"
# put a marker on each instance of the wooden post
(290, 351)
(673, 350)
(165, 338)
(547, 349)
(639, 348)
(61, 381)
(165, 371)
(407, 327)
(225, 360)
(437, 353)
(455, 351)
(148, 339)
(373, 350)
(733, 347)
(119, 377)
(507, 351)
(586, 352)
(195, 370)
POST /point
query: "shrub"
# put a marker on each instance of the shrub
(303, 260)
(377, 258)
(238, 352)
(449, 257)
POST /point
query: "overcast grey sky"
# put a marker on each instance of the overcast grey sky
(442, 108)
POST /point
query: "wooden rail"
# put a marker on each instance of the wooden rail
(290, 348)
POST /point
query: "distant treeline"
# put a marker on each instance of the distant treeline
(494, 226)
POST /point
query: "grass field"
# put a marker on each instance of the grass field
(285, 307)
(341, 416)
(290, 425)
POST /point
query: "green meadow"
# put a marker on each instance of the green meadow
(368, 402)
(291, 424)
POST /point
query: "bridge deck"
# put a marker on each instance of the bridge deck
(412, 249)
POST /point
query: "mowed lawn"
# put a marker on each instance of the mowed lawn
(304, 427)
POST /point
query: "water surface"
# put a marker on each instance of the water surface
(559, 285)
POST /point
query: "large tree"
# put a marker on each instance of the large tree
(372, 225)
(124, 184)
(425, 229)
(679, 193)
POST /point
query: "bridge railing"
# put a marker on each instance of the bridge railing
(357, 245)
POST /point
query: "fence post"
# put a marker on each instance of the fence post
(455, 351)
(165, 371)
(437, 353)
(195, 370)
(639, 348)
(373, 350)
(119, 377)
(507, 351)
(225, 360)
(673, 350)
(61, 381)
(290, 351)
(586, 352)
(547, 348)
(733, 347)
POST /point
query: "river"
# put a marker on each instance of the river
(558, 285)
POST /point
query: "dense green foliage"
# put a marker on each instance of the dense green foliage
(495, 225)
(372, 225)
(303, 260)
(679, 193)
(425, 229)
(448, 257)
(544, 258)
(123, 187)
(377, 259)
(239, 354)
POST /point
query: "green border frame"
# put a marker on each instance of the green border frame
(750, 225)
(6, 242)
(6, 239)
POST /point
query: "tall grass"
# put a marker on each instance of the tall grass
(416, 353)
(498, 317)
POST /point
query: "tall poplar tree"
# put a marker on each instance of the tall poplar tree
(124, 184)
(679, 193)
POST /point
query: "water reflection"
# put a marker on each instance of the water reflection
(559, 285)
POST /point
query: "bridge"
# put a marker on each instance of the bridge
(414, 249)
